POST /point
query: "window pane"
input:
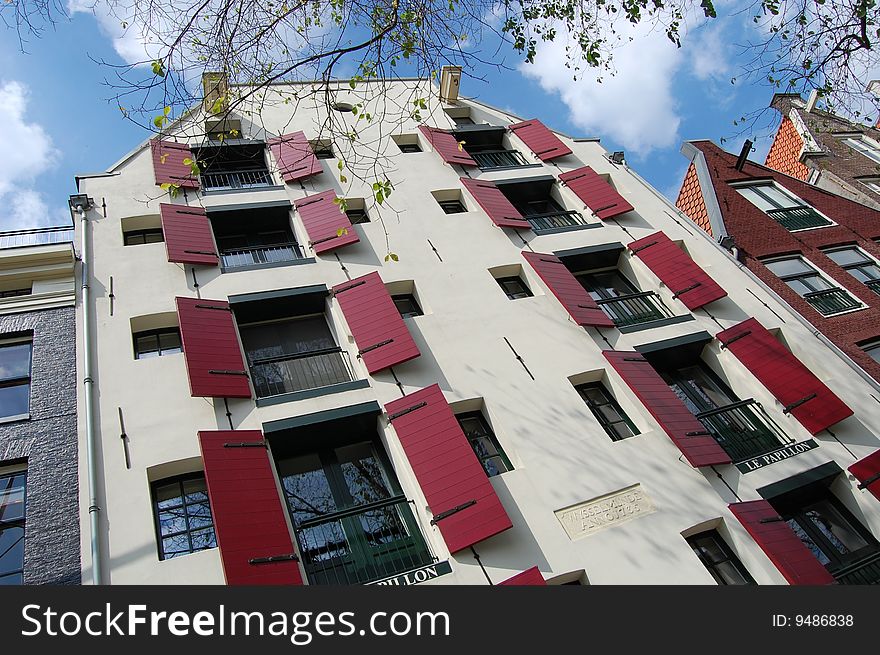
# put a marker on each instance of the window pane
(873, 351)
(306, 487)
(866, 273)
(622, 430)
(363, 474)
(323, 542)
(204, 539)
(847, 256)
(808, 541)
(835, 528)
(789, 267)
(12, 497)
(291, 337)
(14, 400)
(779, 197)
(199, 515)
(147, 346)
(169, 342)
(11, 549)
(730, 574)
(153, 237)
(610, 413)
(15, 361)
(759, 201)
(174, 546)
(12, 579)
(483, 447)
(168, 496)
(494, 466)
(172, 521)
(471, 426)
(594, 395)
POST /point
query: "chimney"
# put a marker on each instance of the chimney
(450, 78)
(874, 88)
(811, 101)
(216, 87)
(743, 155)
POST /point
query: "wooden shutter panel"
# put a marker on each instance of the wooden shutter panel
(249, 520)
(294, 155)
(461, 498)
(571, 293)
(210, 347)
(803, 394)
(495, 204)
(188, 235)
(530, 577)
(681, 274)
(867, 472)
(446, 146)
(686, 432)
(780, 543)
(597, 194)
(168, 164)
(323, 221)
(541, 141)
(377, 327)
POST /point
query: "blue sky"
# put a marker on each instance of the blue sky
(58, 121)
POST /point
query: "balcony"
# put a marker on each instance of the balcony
(555, 220)
(831, 301)
(257, 255)
(798, 218)
(243, 179)
(634, 308)
(864, 572)
(743, 429)
(362, 544)
(36, 237)
(283, 374)
(487, 159)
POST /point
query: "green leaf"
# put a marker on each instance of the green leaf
(158, 69)
(341, 231)
(343, 179)
(166, 111)
(159, 121)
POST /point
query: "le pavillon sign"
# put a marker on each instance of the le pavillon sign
(776, 456)
(416, 576)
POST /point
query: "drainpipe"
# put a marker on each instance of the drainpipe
(81, 204)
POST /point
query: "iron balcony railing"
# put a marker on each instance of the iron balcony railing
(553, 220)
(743, 429)
(831, 301)
(297, 372)
(267, 254)
(236, 179)
(865, 571)
(634, 308)
(873, 285)
(36, 237)
(362, 544)
(498, 158)
(798, 218)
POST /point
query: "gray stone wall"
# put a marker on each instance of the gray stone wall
(48, 443)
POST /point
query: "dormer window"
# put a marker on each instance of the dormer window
(790, 212)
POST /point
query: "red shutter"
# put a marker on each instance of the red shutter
(323, 220)
(249, 518)
(530, 576)
(168, 164)
(686, 432)
(210, 347)
(460, 496)
(188, 235)
(294, 155)
(495, 203)
(780, 543)
(681, 274)
(867, 472)
(541, 141)
(375, 323)
(446, 146)
(571, 293)
(596, 193)
(803, 394)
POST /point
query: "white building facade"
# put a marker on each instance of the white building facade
(554, 378)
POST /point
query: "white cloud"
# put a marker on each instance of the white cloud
(26, 152)
(710, 54)
(130, 40)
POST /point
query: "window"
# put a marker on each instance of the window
(409, 147)
(407, 305)
(141, 237)
(857, 263)
(719, 559)
(619, 298)
(357, 215)
(323, 149)
(825, 296)
(452, 206)
(790, 212)
(462, 120)
(15, 379)
(183, 516)
(607, 411)
(255, 238)
(12, 510)
(868, 147)
(872, 348)
(874, 185)
(484, 443)
(155, 343)
(230, 167)
(514, 287)
(14, 293)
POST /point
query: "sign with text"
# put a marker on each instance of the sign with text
(776, 456)
(416, 576)
(605, 511)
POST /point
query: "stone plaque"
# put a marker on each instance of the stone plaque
(606, 511)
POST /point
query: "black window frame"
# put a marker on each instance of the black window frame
(514, 279)
(180, 480)
(16, 293)
(409, 148)
(16, 523)
(157, 333)
(712, 565)
(606, 424)
(323, 150)
(128, 236)
(411, 299)
(486, 432)
(456, 205)
(19, 380)
(357, 215)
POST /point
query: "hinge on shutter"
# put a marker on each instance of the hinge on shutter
(403, 412)
(200, 252)
(698, 433)
(601, 209)
(227, 372)
(635, 359)
(274, 558)
(309, 202)
(374, 346)
(788, 408)
(724, 344)
(190, 212)
(640, 248)
(572, 179)
(324, 240)
(587, 307)
(222, 309)
(686, 289)
(772, 519)
(450, 512)
(246, 444)
(864, 484)
(544, 152)
(549, 261)
(350, 286)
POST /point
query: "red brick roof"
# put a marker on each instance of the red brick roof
(690, 200)
(784, 154)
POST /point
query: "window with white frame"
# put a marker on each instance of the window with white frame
(809, 283)
(872, 347)
(857, 263)
(868, 147)
(790, 212)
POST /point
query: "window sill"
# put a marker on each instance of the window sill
(223, 192)
(808, 229)
(312, 393)
(258, 267)
(15, 419)
(662, 322)
(568, 228)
